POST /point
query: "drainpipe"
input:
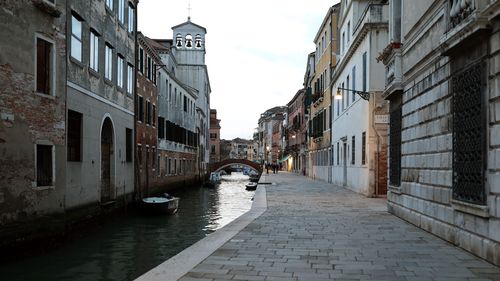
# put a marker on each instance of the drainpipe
(374, 107)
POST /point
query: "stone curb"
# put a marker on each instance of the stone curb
(180, 264)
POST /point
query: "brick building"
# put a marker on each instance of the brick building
(146, 101)
(214, 137)
(32, 112)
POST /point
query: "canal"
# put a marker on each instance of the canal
(127, 246)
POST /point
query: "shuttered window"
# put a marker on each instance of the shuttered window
(43, 66)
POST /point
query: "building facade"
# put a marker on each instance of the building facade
(359, 121)
(320, 107)
(214, 137)
(32, 113)
(295, 137)
(146, 117)
(191, 70)
(267, 122)
(100, 109)
(442, 77)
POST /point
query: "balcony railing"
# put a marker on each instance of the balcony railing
(460, 10)
(374, 13)
(393, 71)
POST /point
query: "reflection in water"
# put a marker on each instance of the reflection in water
(129, 245)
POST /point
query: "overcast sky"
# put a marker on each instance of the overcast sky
(256, 50)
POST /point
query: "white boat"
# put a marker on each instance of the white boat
(213, 181)
(215, 177)
(251, 186)
(165, 204)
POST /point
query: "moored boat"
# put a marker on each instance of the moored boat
(165, 204)
(251, 186)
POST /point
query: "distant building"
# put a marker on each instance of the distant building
(191, 70)
(225, 149)
(214, 137)
(178, 142)
(267, 121)
(295, 135)
(241, 148)
(320, 111)
(146, 112)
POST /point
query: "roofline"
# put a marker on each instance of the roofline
(190, 22)
(325, 19)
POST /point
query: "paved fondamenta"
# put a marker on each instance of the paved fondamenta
(315, 231)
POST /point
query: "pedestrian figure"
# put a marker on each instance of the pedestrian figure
(267, 168)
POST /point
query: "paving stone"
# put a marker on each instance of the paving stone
(317, 231)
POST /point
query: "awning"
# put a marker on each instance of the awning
(284, 158)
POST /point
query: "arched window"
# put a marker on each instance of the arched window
(178, 41)
(189, 41)
(197, 41)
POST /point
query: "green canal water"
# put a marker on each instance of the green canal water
(129, 245)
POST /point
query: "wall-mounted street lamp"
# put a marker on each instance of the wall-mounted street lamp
(364, 95)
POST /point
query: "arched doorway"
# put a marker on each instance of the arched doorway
(107, 163)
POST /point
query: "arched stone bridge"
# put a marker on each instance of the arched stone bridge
(228, 162)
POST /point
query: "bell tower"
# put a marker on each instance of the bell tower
(189, 43)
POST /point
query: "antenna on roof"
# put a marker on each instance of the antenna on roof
(189, 10)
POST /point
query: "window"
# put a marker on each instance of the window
(189, 41)
(470, 133)
(153, 118)
(178, 40)
(343, 97)
(141, 109)
(94, 50)
(353, 150)
(347, 92)
(109, 4)
(139, 155)
(119, 67)
(338, 154)
(395, 142)
(363, 148)
(131, 16)
(108, 62)
(74, 143)
(354, 83)
(364, 71)
(348, 31)
(148, 70)
(141, 60)
(197, 41)
(148, 112)
(121, 11)
(44, 66)
(130, 79)
(161, 127)
(128, 145)
(44, 165)
(343, 42)
(76, 38)
(185, 103)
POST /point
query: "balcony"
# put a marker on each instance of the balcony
(466, 20)
(393, 69)
(373, 14)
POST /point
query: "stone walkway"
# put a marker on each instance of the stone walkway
(314, 231)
